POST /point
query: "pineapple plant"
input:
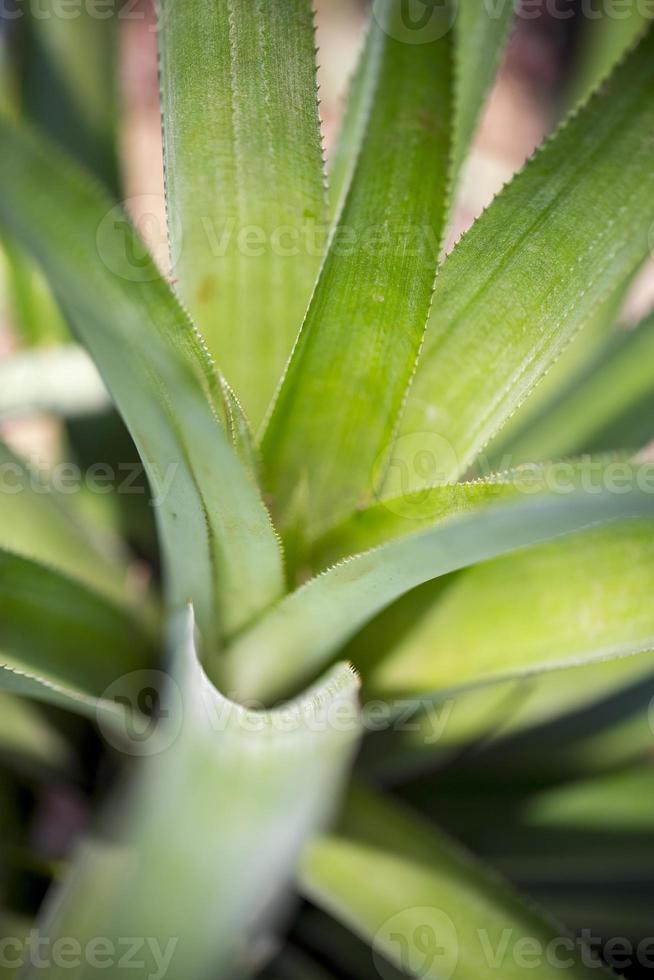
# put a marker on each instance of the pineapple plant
(370, 556)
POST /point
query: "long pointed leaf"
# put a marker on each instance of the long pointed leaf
(578, 356)
(533, 269)
(560, 603)
(69, 82)
(305, 629)
(244, 178)
(341, 395)
(355, 120)
(604, 41)
(220, 546)
(35, 522)
(252, 787)
(481, 31)
(529, 708)
(395, 517)
(33, 311)
(607, 405)
(479, 36)
(618, 801)
(428, 906)
(61, 642)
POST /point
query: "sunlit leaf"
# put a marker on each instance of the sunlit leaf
(560, 603)
(532, 270)
(306, 628)
(622, 801)
(581, 352)
(339, 401)
(425, 904)
(606, 405)
(34, 313)
(244, 177)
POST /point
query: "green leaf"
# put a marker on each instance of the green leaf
(560, 695)
(37, 523)
(219, 545)
(355, 355)
(244, 178)
(61, 642)
(561, 603)
(8, 79)
(68, 67)
(532, 270)
(426, 905)
(395, 517)
(481, 31)
(306, 628)
(355, 120)
(604, 41)
(28, 740)
(33, 311)
(606, 405)
(205, 850)
(479, 37)
(617, 801)
(508, 714)
(580, 353)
